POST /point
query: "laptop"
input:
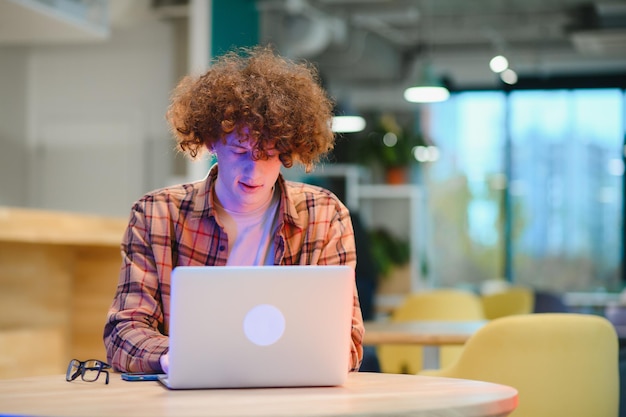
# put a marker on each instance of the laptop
(259, 326)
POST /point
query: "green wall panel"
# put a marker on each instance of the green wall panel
(235, 24)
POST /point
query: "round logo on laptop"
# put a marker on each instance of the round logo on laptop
(264, 324)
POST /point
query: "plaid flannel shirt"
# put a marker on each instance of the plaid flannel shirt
(178, 225)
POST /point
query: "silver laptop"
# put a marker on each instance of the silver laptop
(264, 326)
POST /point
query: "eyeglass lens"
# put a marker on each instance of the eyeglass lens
(88, 370)
(91, 370)
(73, 370)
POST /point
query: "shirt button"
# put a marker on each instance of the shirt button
(222, 247)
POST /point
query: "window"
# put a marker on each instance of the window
(562, 153)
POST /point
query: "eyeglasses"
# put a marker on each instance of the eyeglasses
(88, 370)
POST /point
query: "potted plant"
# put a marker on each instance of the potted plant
(389, 147)
(387, 251)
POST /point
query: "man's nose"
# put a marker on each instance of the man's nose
(252, 163)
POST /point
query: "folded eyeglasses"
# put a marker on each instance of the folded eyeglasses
(88, 370)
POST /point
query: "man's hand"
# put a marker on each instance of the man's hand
(165, 362)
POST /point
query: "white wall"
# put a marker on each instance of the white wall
(13, 155)
(93, 134)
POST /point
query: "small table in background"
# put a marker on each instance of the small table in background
(429, 334)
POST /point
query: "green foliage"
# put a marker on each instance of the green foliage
(373, 150)
(388, 251)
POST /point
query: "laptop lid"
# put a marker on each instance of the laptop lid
(260, 326)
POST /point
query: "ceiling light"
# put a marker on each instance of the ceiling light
(498, 64)
(348, 124)
(428, 89)
(509, 76)
(426, 94)
(390, 139)
(426, 153)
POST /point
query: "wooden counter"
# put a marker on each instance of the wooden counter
(58, 273)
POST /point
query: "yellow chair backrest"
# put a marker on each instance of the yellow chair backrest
(562, 364)
(439, 304)
(513, 300)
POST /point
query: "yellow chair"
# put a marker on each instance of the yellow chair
(562, 364)
(512, 300)
(440, 304)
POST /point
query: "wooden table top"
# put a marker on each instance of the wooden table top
(420, 332)
(364, 394)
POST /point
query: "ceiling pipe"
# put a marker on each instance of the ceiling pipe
(310, 31)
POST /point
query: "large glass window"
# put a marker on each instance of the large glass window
(561, 154)
(464, 189)
(566, 186)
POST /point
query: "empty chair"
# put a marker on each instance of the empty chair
(439, 305)
(513, 300)
(562, 364)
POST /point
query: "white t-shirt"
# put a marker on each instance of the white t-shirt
(250, 233)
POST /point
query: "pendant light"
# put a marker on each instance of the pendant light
(429, 88)
(346, 119)
(348, 124)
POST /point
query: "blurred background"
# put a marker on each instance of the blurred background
(516, 176)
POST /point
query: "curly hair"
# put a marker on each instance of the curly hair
(266, 98)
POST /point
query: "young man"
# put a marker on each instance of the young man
(255, 111)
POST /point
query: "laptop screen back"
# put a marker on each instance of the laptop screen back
(260, 326)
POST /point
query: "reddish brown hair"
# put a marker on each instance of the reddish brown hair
(277, 101)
